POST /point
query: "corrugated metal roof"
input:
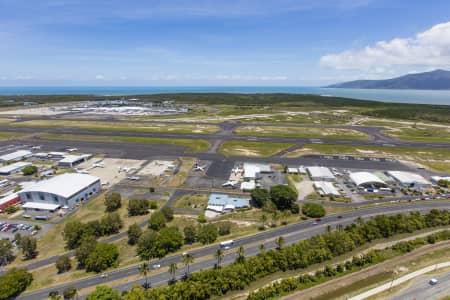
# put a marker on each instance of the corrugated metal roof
(365, 178)
(15, 155)
(64, 185)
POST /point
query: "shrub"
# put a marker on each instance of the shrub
(29, 170)
(313, 210)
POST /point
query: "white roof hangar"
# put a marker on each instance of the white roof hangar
(17, 155)
(409, 179)
(72, 160)
(320, 174)
(366, 179)
(326, 188)
(14, 168)
(253, 170)
(66, 189)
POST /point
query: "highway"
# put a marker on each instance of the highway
(421, 289)
(292, 234)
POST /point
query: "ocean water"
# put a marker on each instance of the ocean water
(402, 96)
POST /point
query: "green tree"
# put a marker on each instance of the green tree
(224, 228)
(138, 207)
(111, 223)
(201, 218)
(70, 292)
(280, 242)
(219, 254)
(28, 245)
(207, 234)
(29, 170)
(157, 221)
(103, 257)
(6, 252)
(153, 244)
(313, 210)
(113, 202)
(144, 269)
(168, 213)
(87, 246)
(104, 293)
(190, 234)
(283, 196)
(63, 264)
(134, 232)
(260, 197)
(188, 259)
(14, 282)
(72, 233)
(172, 270)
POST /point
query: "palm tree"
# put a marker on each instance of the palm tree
(187, 260)
(219, 255)
(279, 242)
(144, 269)
(240, 255)
(262, 248)
(172, 270)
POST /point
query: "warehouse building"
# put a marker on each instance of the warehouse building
(14, 168)
(408, 179)
(64, 190)
(253, 171)
(320, 174)
(326, 188)
(73, 160)
(367, 180)
(15, 156)
(8, 200)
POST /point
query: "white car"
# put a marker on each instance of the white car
(104, 275)
(156, 267)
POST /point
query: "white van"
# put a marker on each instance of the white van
(226, 244)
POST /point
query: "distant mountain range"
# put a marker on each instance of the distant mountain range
(434, 80)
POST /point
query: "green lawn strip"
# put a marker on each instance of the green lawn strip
(434, 158)
(301, 132)
(11, 135)
(131, 126)
(252, 149)
(421, 134)
(192, 145)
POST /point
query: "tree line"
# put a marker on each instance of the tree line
(320, 248)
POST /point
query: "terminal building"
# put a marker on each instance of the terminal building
(221, 203)
(408, 179)
(320, 174)
(367, 180)
(64, 190)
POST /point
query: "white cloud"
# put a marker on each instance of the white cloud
(24, 77)
(427, 50)
(99, 77)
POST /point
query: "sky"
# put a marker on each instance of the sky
(219, 43)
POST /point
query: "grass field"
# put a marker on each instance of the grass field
(121, 126)
(192, 145)
(252, 149)
(436, 159)
(421, 134)
(11, 135)
(301, 132)
(196, 201)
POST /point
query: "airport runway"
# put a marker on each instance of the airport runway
(292, 234)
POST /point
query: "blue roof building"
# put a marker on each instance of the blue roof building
(222, 202)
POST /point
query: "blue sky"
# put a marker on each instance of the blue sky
(205, 42)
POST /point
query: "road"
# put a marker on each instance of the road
(292, 234)
(421, 289)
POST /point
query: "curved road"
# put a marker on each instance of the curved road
(292, 234)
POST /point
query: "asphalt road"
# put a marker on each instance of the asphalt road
(421, 289)
(292, 234)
